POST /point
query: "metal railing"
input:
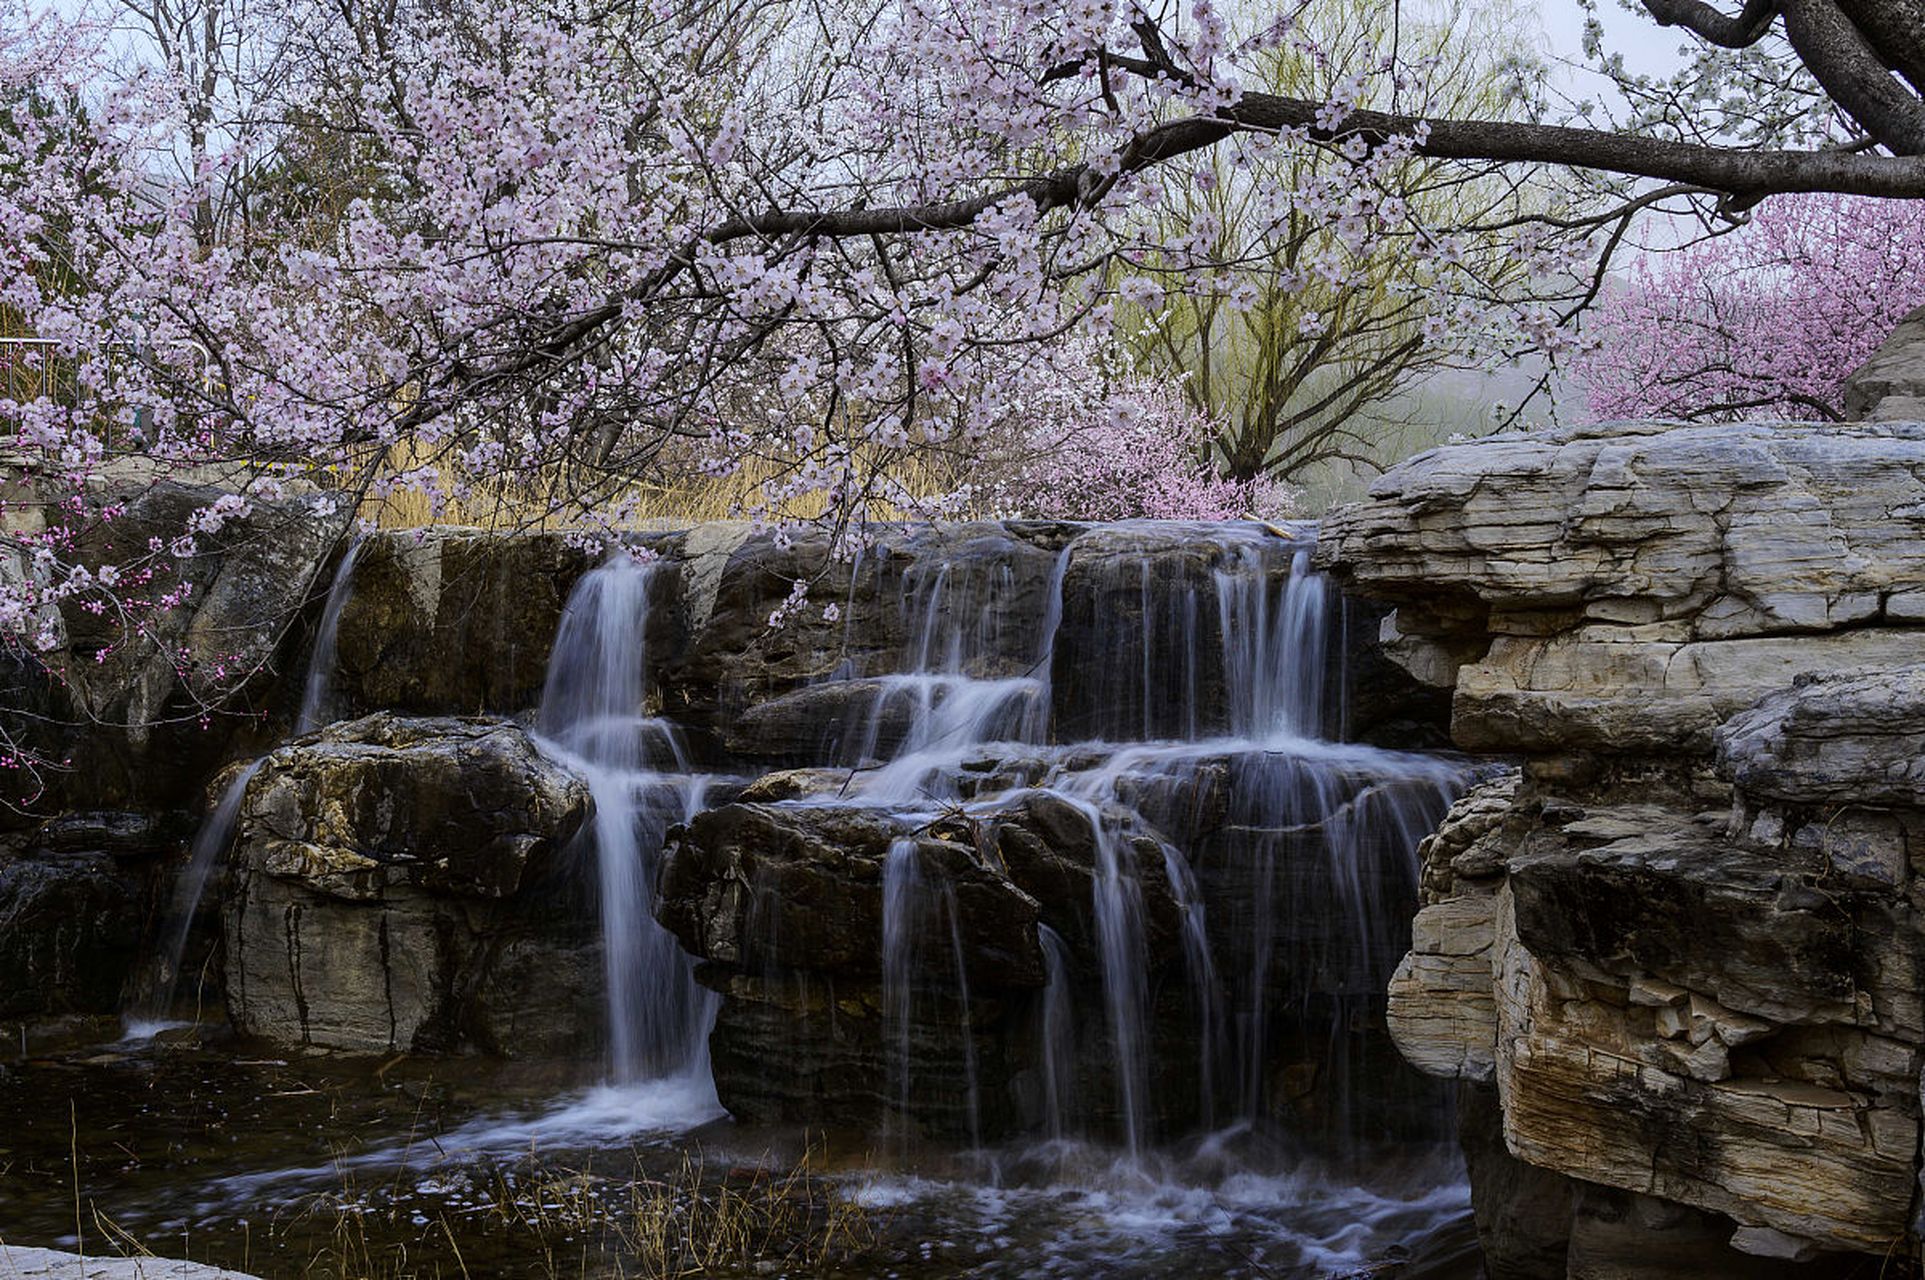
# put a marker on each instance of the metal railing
(50, 376)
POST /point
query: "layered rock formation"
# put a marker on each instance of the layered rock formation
(1683, 944)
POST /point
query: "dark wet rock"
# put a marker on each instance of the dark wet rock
(70, 930)
(452, 620)
(1046, 846)
(395, 886)
(125, 719)
(1138, 645)
(997, 575)
(1384, 703)
(841, 721)
(1523, 1212)
(761, 887)
(785, 906)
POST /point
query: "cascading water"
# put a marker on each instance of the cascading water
(156, 1002)
(1204, 671)
(1220, 940)
(949, 708)
(1056, 1034)
(1338, 821)
(917, 910)
(320, 669)
(901, 894)
(592, 719)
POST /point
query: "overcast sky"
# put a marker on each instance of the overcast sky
(1645, 45)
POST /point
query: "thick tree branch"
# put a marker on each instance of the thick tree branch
(1853, 73)
(1701, 19)
(1896, 29)
(1741, 174)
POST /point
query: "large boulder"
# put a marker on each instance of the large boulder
(871, 613)
(1628, 587)
(456, 621)
(390, 879)
(802, 887)
(786, 905)
(791, 908)
(71, 925)
(1890, 386)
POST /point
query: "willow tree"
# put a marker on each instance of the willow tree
(1313, 330)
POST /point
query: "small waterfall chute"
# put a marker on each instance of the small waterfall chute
(592, 719)
(320, 668)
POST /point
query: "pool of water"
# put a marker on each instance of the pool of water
(325, 1167)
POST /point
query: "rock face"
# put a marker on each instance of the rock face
(140, 721)
(1627, 591)
(791, 906)
(786, 905)
(79, 897)
(456, 621)
(1683, 944)
(1890, 387)
(389, 875)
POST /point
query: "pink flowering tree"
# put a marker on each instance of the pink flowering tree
(442, 245)
(1764, 320)
(1087, 437)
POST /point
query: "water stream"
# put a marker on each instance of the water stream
(593, 719)
(320, 667)
(1183, 707)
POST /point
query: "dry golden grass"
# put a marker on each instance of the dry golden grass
(563, 1224)
(533, 502)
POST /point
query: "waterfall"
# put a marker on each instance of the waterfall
(1201, 968)
(915, 906)
(1274, 646)
(1057, 1034)
(901, 882)
(952, 709)
(1315, 829)
(216, 832)
(592, 720)
(320, 667)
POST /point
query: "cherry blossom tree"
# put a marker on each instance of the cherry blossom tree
(1093, 438)
(1767, 319)
(770, 232)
